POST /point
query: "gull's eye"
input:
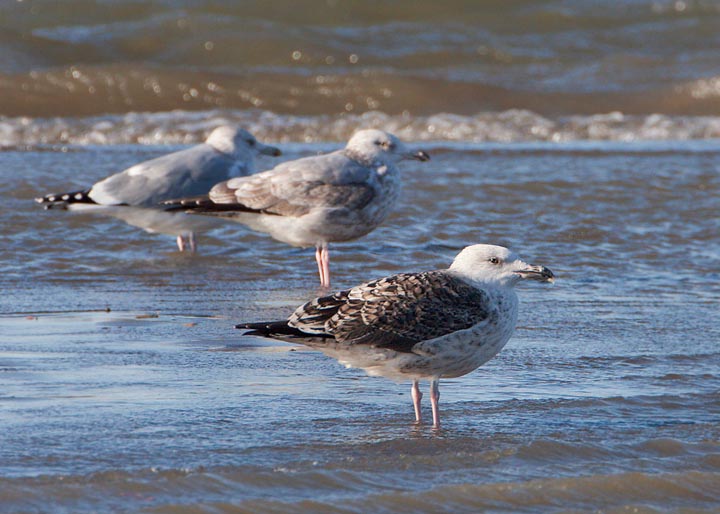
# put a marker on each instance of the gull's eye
(387, 145)
(378, 142)
(494, 260)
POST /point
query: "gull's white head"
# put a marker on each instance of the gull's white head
(239, 143)
(380, 147)
(496, 265)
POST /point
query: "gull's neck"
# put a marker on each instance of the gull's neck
(479, 281)
(224, 146)
(362, 159)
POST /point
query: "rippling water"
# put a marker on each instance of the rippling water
(308, 71)
(125, 387)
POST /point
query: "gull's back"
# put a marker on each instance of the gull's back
(309, 182)
(189, 172)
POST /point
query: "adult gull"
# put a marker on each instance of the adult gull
(133, 195)
(416, 326)
(315, 200)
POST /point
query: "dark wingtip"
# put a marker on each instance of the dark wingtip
(256, 333)
(255, 329)
(178, 204)
(262, 327)
(269, 329)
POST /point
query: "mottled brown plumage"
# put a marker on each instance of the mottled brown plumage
(398, 312)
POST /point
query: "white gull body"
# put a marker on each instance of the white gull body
(133, 195)
(417, 326)
(316, 200)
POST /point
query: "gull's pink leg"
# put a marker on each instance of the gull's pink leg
(181, 243)
(326, 265)
(416, 397)
(434, 399)
(318, 259)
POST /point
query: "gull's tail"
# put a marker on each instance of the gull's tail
(63, 199)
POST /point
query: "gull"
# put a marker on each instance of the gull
(133, 195)
(315, 200)
(416, 326)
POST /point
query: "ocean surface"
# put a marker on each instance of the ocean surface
(584, 135)
(99, 72)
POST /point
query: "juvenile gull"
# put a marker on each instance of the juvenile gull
(316, 200)
(134, 194)
(417, 326)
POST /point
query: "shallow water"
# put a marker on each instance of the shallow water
(125, 387)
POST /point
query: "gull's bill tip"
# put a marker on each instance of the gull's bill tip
(272, 151)
(421, 156)
(539, 273)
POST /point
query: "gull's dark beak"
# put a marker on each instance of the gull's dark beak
(421, 156)
(539, 273)
(272, 151)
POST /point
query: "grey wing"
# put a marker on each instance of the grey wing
(188, 172)
(400, 311)
(297, 187)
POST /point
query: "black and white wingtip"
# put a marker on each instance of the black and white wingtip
(186, 203)
(49, 201)
(204, 205)
(283, 331)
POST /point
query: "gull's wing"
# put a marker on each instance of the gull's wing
(396, 312)
(185, 173)
(295, 188)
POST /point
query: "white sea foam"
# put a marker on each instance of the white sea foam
(188, 127)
